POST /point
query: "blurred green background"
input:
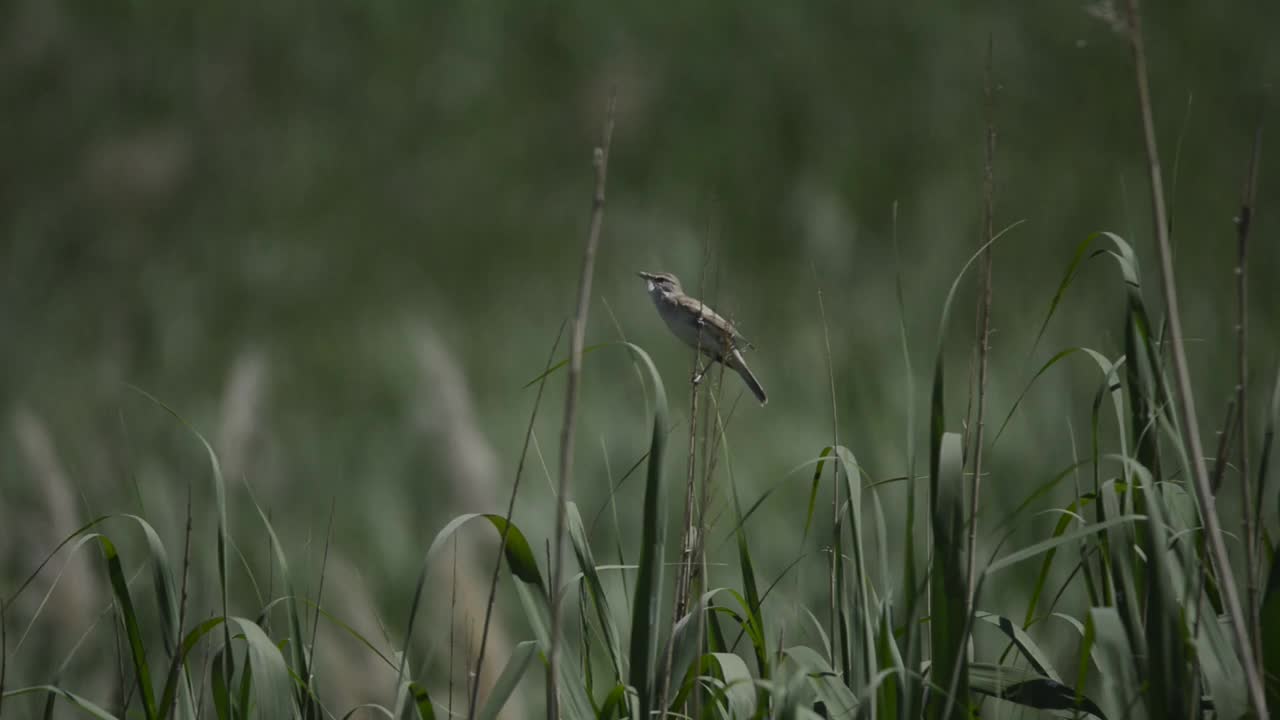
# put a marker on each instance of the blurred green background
(339, 238)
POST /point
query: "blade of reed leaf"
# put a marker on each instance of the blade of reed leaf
(422, 702)
(813, 491)
(948, 615)
(272, 685)
(55, 692)
(740, 691)
(1121, 688)
(595, 591)
(565, 363)
(1269, 608)
(184, 648)
(646, 603)
(684, 635)
(1046, 545)
(124, 604)
(1030, 650)
(521, 656)
(840, 701)
(949, 585)
(863, 610)
(615, 704)
(1270, 617)
(307, 709)
(220, 498)
(1029, 689)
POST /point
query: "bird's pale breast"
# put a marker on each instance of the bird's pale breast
(685, 326)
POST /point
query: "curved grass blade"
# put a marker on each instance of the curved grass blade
(948, 614)
(565, 362)
(839, 700)
(124, 602)
(739, 686)
(595, 591)
(271, 685)
(220, 497)
(947, 599)
(309, 711)
(56, 692)
(813, 491)
(506, 683)
(1029, 689)
(1121, 688)
(1054, 542)
(1030, 650)
(648, 590)
(184, 648)
(519, 558)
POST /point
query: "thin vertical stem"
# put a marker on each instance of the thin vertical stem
(502, 544)
(835, 484)
(453, 620)
(1251, 544)
(1187, 409)
(984, 322)
(576, 341)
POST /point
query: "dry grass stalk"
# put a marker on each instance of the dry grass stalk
(1182, 376)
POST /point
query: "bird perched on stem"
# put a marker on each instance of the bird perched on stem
(701, 328)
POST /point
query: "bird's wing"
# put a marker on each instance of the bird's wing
(713, 321)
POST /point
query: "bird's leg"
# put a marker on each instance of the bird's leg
(699, 370)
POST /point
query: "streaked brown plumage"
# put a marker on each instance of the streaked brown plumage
(698, 326)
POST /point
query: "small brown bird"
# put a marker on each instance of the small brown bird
(700, 327)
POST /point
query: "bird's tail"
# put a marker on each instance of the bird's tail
(740, 365)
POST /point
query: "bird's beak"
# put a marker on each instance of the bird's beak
(645, 275)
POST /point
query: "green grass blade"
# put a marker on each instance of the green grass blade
(1030, 650)
(646, 604)
(519, 558)
(272, 685)
(1270, 617)
(175, 673)
(137, 649)
(948, 616)
(565, 362)
(297, 640)
(839, 699)
(1121, 688)
(521, 656)
(422, 702)
(595, 591)
(740, 690)
(813, 491)
(1029, 689)
(56, 692)
(862, 611)
(1054, 542)
(220, 497)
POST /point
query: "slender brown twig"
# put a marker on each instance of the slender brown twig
(577, 339)
(684, 571)
(680, 604)
(1244, 221)
(984, 319)
(502, 543)
(1187, 410)
(1222, 460)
